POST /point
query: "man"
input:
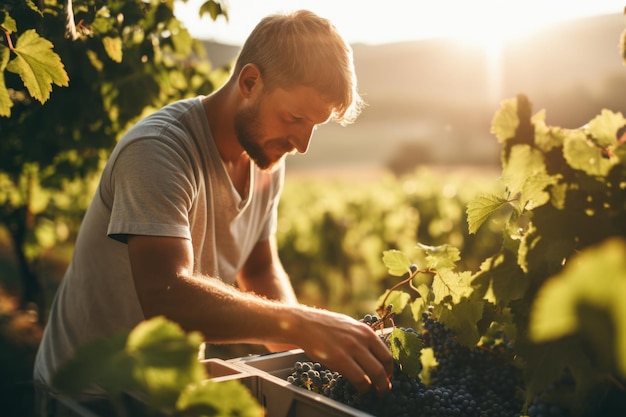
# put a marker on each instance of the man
(183, 221)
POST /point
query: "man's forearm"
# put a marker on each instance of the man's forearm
(273, 284)
(222, 313)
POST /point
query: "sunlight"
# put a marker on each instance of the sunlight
(491, 26)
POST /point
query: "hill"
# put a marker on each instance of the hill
(432, 101)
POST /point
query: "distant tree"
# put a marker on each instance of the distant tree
(73, 75)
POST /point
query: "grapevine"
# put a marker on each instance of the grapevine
(540, 329)
(465, 382)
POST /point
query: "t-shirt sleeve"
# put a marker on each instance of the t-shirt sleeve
(152, 187)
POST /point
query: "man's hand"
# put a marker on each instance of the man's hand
(347, 346)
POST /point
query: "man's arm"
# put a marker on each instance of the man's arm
(162, 271)
(263, 274)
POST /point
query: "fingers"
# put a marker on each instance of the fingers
(367, 364)
(377, 364)
(351, 348)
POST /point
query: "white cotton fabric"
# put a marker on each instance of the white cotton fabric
(164, 178)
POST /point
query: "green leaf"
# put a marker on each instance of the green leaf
(440, 257)
(525, 175)
(429, 362)
(159, 342)
(500, 279)
(31, 5)
(213, 9)
(586, 156)
(603, 128)
(406, 349)
(102, 361)
(37, 65)
(505, 121)
(419, 305)
(396, 262)
(462, 318)
(113, 47)
(399, 300)
(5, 100)
(548, 137)
(596, 277)
(447, 283)
(481, 208)
(8, 23)
(219, 399)
(166, 359)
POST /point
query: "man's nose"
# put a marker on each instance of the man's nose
(302, 141)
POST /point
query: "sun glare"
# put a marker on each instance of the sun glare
(490, 24)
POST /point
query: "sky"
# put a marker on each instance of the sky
(383, 21)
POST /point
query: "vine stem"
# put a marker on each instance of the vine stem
(409, 281)
(9, 41)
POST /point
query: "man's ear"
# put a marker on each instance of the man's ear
(249, 80)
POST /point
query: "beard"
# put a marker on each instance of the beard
(249, 135)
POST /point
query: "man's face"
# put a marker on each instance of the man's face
(277, 123)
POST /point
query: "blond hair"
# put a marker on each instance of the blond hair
(303, 49)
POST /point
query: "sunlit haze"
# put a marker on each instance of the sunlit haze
(489, 22)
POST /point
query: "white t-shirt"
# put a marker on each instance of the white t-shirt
(164, 178)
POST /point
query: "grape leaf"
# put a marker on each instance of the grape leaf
(596, 276)
(399, 300)
(449, 283)
(31, 5)
(481, 208)
(505, 121)
(548, 137)
(534, 193)
(429, 362)
(440, 257)
(603, 128)
(396, 262)
(406, 349)
(8, 23)
(525, 175)
(219, 399)
(37, 65)
(213, 9)
(419, 305)
(500, 279)
(462, 318)
(523, 162)
(166, 359)
(5, 99)
(558, 195)
(161, 343)
(584, 155)
(113, 47)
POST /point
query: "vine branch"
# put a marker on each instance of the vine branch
(9, 41)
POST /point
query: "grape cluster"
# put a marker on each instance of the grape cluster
(485, 374)
(467, 382)
(539, 408)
